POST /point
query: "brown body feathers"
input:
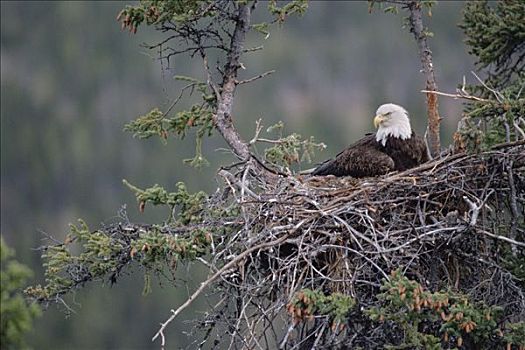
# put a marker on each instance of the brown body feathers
(368, 157)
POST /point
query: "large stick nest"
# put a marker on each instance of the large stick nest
(445, 224)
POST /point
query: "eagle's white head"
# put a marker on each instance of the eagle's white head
(392, 120)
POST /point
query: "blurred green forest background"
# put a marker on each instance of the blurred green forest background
(71, 79)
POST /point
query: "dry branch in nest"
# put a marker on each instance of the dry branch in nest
(445, 224)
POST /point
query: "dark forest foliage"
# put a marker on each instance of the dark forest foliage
(16, 314)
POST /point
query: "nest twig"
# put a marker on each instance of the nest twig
(451, 224)
(444, 224)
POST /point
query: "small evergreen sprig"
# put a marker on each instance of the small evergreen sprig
(155, 12)
(280, 12)
(307, 303)
(290, 149)
(199, 118)
(190, 205)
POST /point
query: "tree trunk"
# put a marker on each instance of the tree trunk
(224, 120)
(416, 27)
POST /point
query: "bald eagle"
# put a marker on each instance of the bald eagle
(393, 147)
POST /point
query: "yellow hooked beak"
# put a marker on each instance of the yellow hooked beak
(378, 120)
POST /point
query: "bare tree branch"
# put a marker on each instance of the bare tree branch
(256, 77)
(217, 274)
(417, 28)
(457, 95)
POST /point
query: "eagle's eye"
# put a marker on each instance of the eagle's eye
(388, 113)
